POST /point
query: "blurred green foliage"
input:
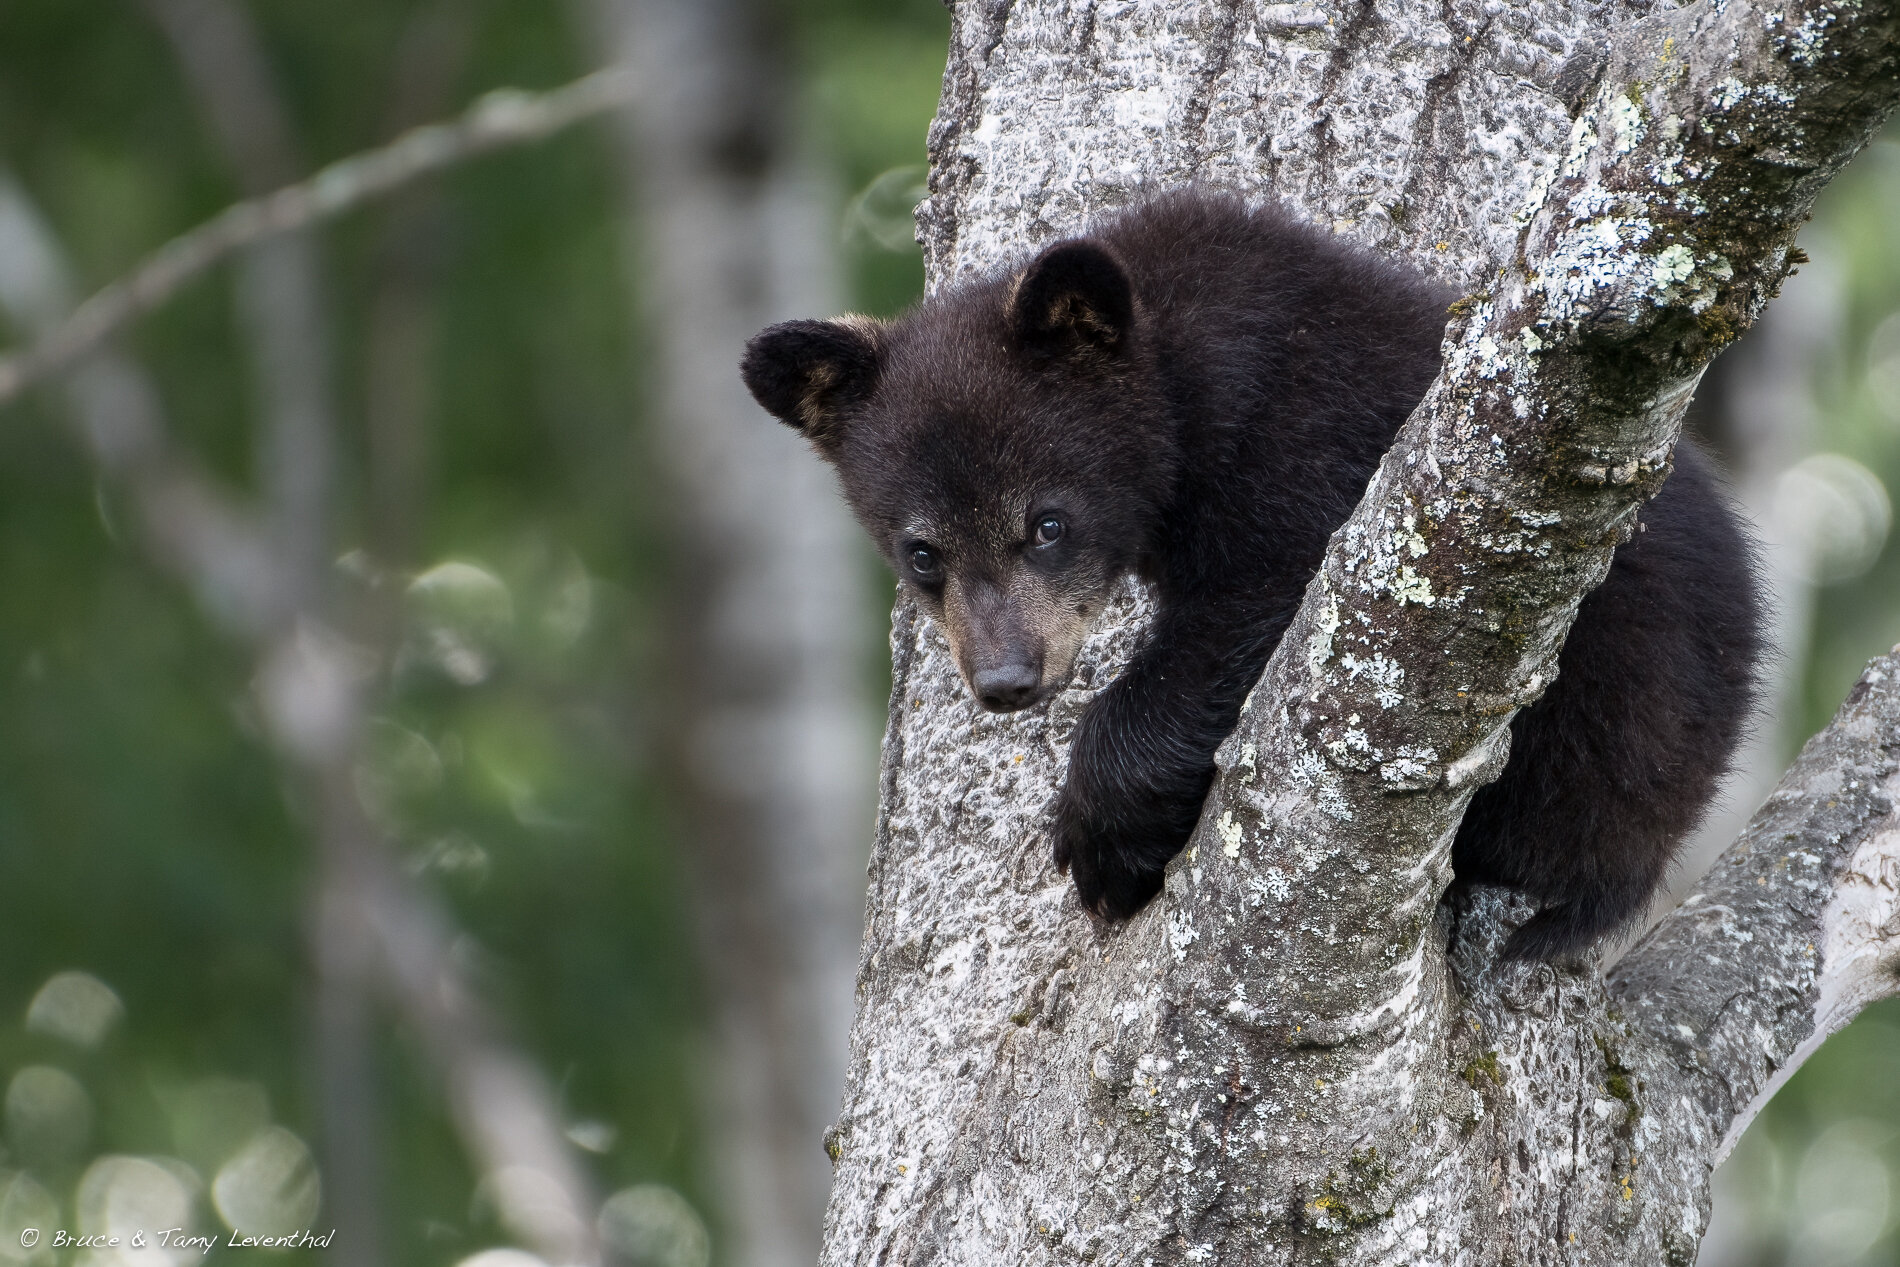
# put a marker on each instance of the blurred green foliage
(1814, 1181)
(1857, 386)
(145, 835)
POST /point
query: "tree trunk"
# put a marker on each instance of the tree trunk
(1300, 1052)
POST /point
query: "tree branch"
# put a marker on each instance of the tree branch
(1504, 497)
(1795, 929)
(215, 544)
(499, 119)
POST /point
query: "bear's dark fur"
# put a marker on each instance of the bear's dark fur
(1198, 392)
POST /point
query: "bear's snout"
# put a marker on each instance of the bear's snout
(1007, 687)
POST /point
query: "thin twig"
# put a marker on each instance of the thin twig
(504, 117)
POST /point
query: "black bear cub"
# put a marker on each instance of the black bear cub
(1198, 392)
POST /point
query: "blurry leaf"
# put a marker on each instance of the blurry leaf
(453, 855)
(520, 750)
(885, 211)
(75, 1006)
(270, 1187)
(568, 609)
(594, 1135)
(121, 1195)
(23, 1205)
(1838, 511)
(1843, 1192)
(1883, 368)
(502, 1258)
(651, 1225)
(49, 1115)
(462, 617)
(397, 769)
(213, 1117)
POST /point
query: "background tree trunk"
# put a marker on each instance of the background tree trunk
(1290, 1056)
(735, 228)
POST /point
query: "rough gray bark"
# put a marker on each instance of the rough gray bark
(1298, 1053)
(736, 228)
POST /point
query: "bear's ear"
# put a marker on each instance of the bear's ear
(1074, 297)
(806, 373)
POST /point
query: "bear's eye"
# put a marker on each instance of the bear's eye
(1048, 530)
(924, 564)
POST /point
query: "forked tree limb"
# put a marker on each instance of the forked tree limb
(1794, 931)
(1293, 1054)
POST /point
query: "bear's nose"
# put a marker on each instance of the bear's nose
(1007, 687)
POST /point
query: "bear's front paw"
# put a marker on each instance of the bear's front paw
(1112, 879)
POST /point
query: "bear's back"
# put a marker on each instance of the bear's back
(1223, 278)
(1289, 359)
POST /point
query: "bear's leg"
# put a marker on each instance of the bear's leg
(1585, 818)
(1142, 756)
(1619, 759)
(1586, 815)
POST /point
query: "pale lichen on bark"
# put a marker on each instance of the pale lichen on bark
(1299, 1051)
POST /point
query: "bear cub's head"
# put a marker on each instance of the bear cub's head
(1006, 445)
